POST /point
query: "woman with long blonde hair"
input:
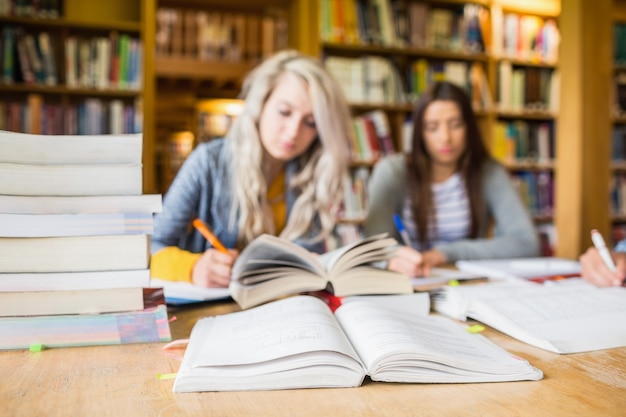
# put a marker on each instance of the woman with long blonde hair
(279, 170)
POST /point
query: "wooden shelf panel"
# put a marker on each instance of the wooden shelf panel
(526, 114)
(618, 166)
(187, 68)
(526, 62)
(345, 50)
(237, 5)
(388, 107)
(61, 23)
(530, 166)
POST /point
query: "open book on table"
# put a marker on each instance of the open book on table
(271, 267)
(527, 268)
(297, 342)
(566, 316)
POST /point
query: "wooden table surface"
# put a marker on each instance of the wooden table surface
(122, 381)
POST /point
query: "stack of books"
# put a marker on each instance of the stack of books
(74, 237)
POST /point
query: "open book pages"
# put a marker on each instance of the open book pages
(271, 267)
(563, 317)
(528, 268)
(297, 342)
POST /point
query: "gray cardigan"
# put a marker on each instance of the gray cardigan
(202, 188)
(514, 235)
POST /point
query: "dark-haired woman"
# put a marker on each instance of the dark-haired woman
(448, 191)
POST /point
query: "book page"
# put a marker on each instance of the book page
(383, 336)
(370, 249)
(569, 318)
(272, 250)
(282, 328)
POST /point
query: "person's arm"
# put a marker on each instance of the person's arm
(515, 235)
(189, 194)
(385, 194)
(173, 264)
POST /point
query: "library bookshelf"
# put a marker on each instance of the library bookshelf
(502, 118)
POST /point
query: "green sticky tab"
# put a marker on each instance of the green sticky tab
(36, 347)
(167, 376)
(477, 328)
(453, 283)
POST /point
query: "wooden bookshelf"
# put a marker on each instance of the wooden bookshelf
(74, 18)
(321, 43)
(180, 77)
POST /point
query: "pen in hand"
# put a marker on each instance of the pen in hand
(204, 230)
(406, 239)
(598, 242)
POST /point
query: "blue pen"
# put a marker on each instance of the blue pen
(406, 239)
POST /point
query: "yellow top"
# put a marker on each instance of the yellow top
(175, 264)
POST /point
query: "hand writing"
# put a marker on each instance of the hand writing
(214, 268)
(594, 269)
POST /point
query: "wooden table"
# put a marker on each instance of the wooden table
(122, 381)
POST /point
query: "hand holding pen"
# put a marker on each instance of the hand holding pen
(599, 267)
(214, 267)
(408, 260)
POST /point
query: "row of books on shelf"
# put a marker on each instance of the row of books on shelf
(376, 79)
(92, 116)
(42, 9)
(27, 57)
(355, 198)
(619, 43)
(372, 137)
(617, 194)
(75, 233)
(523, 141)
(112, 62)
(217, 35)
(524, 36)
(461, 28)
(618, 94)
(536, 189)
(618, 143)
(458, 28)
(527, 88)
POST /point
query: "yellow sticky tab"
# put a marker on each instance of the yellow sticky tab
(167, 376)
(36, 347)
(477, 328)
(453, 283)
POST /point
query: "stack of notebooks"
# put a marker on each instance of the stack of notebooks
(74, 237)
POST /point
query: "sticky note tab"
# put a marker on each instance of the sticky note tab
(477, 328)
(167, 376)
(453, 283)
(36, 347)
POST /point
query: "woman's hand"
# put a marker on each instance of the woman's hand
(214, 268)
(594, 270)
(408, 261)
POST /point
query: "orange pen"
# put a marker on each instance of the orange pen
(202, 228)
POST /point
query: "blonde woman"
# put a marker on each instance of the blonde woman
(278, 171)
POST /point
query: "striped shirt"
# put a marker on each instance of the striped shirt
(451, 220)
